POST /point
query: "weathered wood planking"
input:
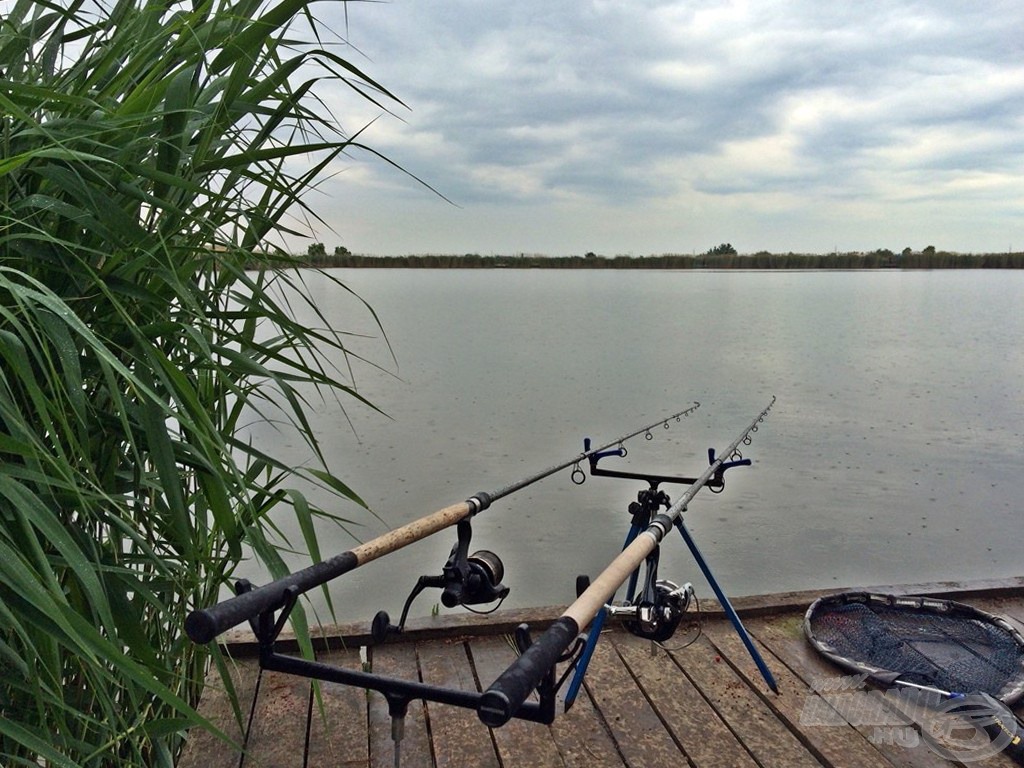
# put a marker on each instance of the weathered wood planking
(338, 725)
(205, 748)
(583, 736)
(397, 660)
(277, 732)
(518, 742)
(703, 736)
(839, 746)
(639, 733)
(704, 706)
(459, 738)
(756, 727)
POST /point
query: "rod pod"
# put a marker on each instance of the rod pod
(506, 694)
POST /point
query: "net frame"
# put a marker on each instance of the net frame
(940, 644)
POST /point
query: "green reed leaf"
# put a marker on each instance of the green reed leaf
(146, 160)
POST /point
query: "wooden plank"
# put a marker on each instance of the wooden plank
(785, 638)
(583, 737)
(338, 735)
(1010, 608)
(277, 733)
(519, 742)
(755, 725)
(458, 737)
(646, 711)
(204, 748)
(840, 745)
(398, 661)
(705, 738)
(787, 602)
(641, 736)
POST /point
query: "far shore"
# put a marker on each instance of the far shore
(880, 259)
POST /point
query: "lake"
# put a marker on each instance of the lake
(892, 454)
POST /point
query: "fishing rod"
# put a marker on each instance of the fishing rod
(203, 625)
(533, 669)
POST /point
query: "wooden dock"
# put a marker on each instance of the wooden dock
(703, 705)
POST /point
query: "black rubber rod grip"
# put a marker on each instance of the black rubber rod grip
(500, 702)
(205, 624)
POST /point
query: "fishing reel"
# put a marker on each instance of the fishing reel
(656, 619)
(466, 579)
(656, 615)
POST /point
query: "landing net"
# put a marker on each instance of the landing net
(939, 644)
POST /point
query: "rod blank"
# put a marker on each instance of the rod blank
(203, 625)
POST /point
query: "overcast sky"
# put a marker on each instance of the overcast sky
(670, 127)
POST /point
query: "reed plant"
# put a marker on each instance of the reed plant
(152, 153)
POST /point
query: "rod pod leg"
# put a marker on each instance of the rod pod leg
(398, 706)
(727, 606)
(593, 635)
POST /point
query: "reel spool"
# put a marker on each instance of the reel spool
(658, 620)
(482, 583)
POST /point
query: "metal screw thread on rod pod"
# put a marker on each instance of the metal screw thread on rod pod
(397, 733)
(203, 625)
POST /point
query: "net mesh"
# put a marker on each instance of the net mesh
(951, 652)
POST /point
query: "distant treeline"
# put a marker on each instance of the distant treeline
(881, 259)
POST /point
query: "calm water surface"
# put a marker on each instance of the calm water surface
(893, 453)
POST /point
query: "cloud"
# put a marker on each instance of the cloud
(730, 108)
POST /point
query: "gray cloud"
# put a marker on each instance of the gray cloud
(739, 110)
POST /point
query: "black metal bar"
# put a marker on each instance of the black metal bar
(395, 688)
(654, 480)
